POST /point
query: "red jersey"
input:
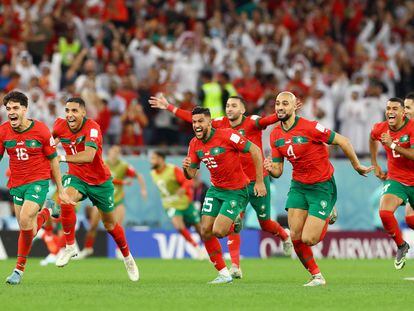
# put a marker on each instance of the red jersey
(94, 173)
(220, 153)
(304, 145)
(251, 127)
(399, 168)
(30, 152)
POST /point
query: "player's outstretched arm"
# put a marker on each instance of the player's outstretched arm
(82, 157)
(349, 151)
(405, 152)
(54, 165)
(259, 186)
(162, 103)
(373, 149)
(189, 172)
(275, 169)
(143, 186)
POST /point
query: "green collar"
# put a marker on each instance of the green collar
(83, 123)
(242, 120)
(29, 127)
(293, 125)
(211, 135)
(405, 123)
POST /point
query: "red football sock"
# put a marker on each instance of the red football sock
(89, 240)
(23, 248)
(391, 226)
(61, 241)
(324, 230)
(118, 235)
(305, 255)
(187, 236)
(215, 253)
(233, 244)
(273, 227)
(410, 221)
(42, 217)
(68, 217)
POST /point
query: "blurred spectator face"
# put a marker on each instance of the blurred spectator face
(355, 95)
(111, 69)
(246, 70)
(52, 108)
(234, 109)
(90, 67)
(34, 82)
(188, 96)
(297, 76)
(5, 70)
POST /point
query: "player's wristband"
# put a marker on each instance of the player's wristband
(393, 145)
(62, 158)
(172, 108)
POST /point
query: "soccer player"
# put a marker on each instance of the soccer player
(220, 150)
(89, 177)
(33, 160)
(176, 195)
(312, 192)
(251, 128)
(396, 134)
(122, 174)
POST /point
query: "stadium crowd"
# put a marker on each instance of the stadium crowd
(343, 58)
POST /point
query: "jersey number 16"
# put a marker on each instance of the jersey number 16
(21, 154)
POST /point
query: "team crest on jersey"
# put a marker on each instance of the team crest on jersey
(242, 132)
(324, 204)
(404, 138)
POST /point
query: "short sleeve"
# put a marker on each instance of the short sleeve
(192, 153)
(412, 137)
(1, 148)
(93, 136)
(277, 156)
(321, 134)
(375, 132)
(238, 142)
(55, 130)
(130, 172)
(48, 142)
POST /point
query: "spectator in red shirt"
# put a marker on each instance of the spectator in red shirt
(133, 120)
(248, 87)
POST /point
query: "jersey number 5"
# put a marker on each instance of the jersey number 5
(21, 154)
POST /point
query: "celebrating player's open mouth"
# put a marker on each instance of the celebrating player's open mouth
(391, 117)
(14, 120)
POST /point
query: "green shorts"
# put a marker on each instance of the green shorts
(226, 202)
(35, 192)
(318, 199)
(405, 193)
(260, 204)
(190, 215)
(102, 196)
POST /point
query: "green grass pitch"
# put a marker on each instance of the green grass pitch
(272, 284)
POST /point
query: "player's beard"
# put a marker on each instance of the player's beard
(285, 118)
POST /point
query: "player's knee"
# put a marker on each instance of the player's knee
(295, 234)
(310, 240)
(25, 221)
(220, 232)
(206, 233)
(109, 225)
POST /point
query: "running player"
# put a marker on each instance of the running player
(397, 136)
(312, 192)
(122, 174)
(33, 159)
(220, 151)
(250, 127)
(176, 195)
(89, 177)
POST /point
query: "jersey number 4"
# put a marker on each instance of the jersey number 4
(290, 152)
(21, 154)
